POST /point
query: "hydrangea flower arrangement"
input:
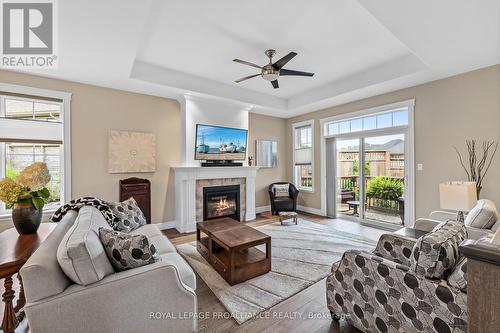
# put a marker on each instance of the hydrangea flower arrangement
(27, 188)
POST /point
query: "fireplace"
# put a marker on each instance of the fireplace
(221, 201)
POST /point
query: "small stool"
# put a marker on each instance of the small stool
(287, 216)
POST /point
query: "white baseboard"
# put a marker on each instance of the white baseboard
(166, 225)
(263, 209)
(315, 211)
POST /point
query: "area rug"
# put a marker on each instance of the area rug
(301, 256)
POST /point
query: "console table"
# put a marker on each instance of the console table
(15, 250)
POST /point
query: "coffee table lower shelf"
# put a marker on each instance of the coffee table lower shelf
(235, 264)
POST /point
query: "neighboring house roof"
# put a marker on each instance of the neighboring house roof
(396, 146)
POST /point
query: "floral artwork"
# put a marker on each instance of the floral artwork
(28, 187)
(131, 152)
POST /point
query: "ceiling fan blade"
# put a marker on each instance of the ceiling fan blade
(247, 63)
(292, 72)
(275, 84)
(283, 61)
(246, 78)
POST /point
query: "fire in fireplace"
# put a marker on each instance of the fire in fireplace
(221, 201)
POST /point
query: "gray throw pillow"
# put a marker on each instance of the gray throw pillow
(127, 251)
(129, 215)
(483, 216)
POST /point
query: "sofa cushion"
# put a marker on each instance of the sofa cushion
(436, 253)
(42, 275)
(80, 253)
(483, 216)
(458, 278)
(130, 216)
(282, 190)
(127, 251)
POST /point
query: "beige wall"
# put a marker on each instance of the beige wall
(267, 128)
(447, 112)
(96, 110)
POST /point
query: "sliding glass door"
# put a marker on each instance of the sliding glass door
(384, 178)
(368, 173)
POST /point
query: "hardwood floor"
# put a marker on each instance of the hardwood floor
(303, 312)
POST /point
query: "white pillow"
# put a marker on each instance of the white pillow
(281, 190)
(81, 254)
(483, 216)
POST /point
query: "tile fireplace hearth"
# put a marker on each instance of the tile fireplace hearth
(189, 184)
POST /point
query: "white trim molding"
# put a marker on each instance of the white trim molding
(262, 209)
(310, 210)
(166, 225)
(65, 97)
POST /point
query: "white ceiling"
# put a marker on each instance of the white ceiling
(355, 48)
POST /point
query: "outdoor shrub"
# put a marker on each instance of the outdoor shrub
(384, 188)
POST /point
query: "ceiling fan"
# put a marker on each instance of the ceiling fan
(271, 72)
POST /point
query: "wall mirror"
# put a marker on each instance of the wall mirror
(266, 153)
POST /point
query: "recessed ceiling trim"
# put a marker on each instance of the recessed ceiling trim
(402, 66)
(175, 79)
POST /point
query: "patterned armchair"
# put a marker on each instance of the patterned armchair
(402, 286)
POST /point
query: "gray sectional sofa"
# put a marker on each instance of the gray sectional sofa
(159, 297)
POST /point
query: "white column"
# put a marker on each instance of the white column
(250, 198)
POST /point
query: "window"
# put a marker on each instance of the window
(386, 119)
(32, 130)
(303, 155)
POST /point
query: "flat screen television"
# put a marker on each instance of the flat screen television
(215, 143)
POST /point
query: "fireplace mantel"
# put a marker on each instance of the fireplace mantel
(185, 191)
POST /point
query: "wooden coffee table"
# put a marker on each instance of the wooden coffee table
(230, 247)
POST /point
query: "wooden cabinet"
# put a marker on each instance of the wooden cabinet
(140, 189)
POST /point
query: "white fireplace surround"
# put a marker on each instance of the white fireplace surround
(185, 191)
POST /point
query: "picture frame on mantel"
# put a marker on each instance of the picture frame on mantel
(266, 153)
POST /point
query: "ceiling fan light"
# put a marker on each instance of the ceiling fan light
(270, 76)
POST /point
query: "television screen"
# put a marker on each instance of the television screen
(220, 143)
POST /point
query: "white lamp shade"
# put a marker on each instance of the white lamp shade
(459, 196)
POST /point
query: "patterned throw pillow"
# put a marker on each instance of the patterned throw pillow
(281, 190)
(458, 277)
(127, 251)
(130, 216)
(436, 253)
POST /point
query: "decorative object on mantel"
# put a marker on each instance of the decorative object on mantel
(478, 166)
(250, 159)
(26, 195)
(266, 153)
(458, 196)
(131, 152)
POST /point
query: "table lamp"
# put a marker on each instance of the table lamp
(458, 196)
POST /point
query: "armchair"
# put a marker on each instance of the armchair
(481, 221)
(388, 291)
(283, 204)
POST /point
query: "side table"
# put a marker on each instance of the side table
(15, 250)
